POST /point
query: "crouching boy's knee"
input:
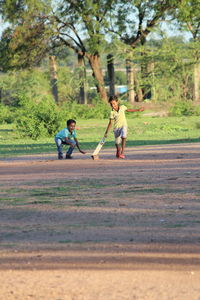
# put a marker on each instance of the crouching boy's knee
(73, 144)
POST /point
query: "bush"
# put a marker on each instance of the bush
(197, 110)
(96, 110)
(182, 108)
(6, 115)
(45, 118)
(29, 126)
(36, 120)
(48, 113)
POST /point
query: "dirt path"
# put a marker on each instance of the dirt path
(107, 229)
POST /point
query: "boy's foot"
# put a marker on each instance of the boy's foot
(60, 156)
(68, 156)
(122, 156)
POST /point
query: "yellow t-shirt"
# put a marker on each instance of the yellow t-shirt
(119, 117)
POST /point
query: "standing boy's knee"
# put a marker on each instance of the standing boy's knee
(118, 140)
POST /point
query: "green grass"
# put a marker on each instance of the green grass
(57, 195)
(83, 192)
(156, 190)
(142, 131)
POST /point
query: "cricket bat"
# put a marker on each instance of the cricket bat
(98, 148)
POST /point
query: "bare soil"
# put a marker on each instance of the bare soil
(108, 229)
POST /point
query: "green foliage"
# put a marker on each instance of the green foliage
(36, 120)
(46, 118)
(35, 84)
(6, 115)
(197, 110)
(30, 35)
(28, 84)
(188, 15)
(26, 100)
(166, 70)
(182, 108)
(5, 52)
(68, 84)
(97, 110)
(120, 78)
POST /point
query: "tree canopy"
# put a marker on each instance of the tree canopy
(38, 27)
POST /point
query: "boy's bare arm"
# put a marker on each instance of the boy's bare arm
(77, 144)
(133, 110)
(108, 128)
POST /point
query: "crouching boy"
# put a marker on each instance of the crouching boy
(67, 136)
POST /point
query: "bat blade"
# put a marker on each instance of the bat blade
(99, 146)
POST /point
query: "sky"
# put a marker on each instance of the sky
(168, 28)
(2, 25)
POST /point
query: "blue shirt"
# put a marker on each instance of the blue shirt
(66, 133)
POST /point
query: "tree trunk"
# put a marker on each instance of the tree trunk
(111, 74)
(130, 73)
(139, 93)
(150, 73)
(94, 61)
(196, 91)
(54, 78)
(82, 78)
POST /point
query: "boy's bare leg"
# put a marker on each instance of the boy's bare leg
(118, 150)
(123, 145)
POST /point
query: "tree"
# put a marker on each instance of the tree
(172, 69)
(189, 19)
(134, 21)
(39, 26)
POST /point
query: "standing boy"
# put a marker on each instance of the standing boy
(67, 136)
(120, 124)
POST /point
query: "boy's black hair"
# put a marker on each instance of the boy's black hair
(70, 121)
(112, 98)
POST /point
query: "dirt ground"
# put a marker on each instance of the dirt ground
(101, 230)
